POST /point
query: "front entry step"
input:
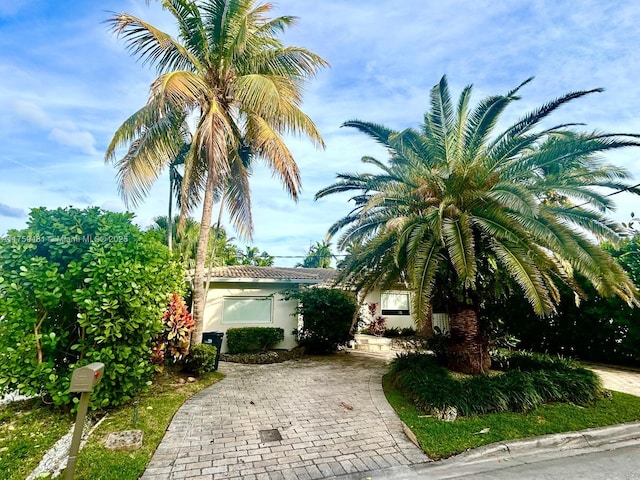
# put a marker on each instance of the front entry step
(371, 343)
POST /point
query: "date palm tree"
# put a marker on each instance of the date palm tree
(459, 211)
(230, 76)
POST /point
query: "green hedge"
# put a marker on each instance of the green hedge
(253, 339)
(529, 381)
(201, 359)
(597, 329)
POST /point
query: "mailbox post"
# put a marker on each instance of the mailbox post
(83, 380)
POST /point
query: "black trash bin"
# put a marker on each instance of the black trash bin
(215, 339)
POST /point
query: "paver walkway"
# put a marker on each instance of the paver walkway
(620, 379)
(330, 412)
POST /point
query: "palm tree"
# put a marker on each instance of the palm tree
(228, 71)
(252, 256)
(175, 190)
(459, 210)
(221, 250)
(319, 256)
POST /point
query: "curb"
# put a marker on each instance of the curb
(589, 438)
(503, 454)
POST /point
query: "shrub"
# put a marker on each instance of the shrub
(253, 339)
(528, 361)
(536, 380)
(201, 359)
(81, 286)
(395, 332)
(438, 343)
(173, 342)
(327, 314)
(597, 329)
(407, 332)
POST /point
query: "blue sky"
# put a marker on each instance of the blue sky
(66, 83)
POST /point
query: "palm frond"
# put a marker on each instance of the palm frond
(458, 238)
(152, 45)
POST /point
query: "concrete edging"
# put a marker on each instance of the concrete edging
(589, 438)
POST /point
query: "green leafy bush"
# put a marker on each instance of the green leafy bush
(201, 359)
(395, 332)
(253, 339)
(529, 361)
(597, 329)
(438, 343)
(81, 286)
(529, 381)
(327, 317)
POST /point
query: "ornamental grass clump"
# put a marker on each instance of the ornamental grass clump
(528, 382)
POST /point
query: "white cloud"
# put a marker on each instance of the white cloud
(67, 85)
(70, 135)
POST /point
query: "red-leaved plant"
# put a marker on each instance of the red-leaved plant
(377, 324)
(173, 342)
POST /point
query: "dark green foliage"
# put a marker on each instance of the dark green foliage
(328, 314)
(201, 359)
(395, 332)
(528, 362)
(253, 339)
(530, 381)
(438, 343)
(81, 286)
(598, 329)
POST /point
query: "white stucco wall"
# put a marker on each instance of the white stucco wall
(440, 320)
(281, 315)
(392, 321)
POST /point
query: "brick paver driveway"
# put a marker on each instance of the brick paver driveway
(330, 413)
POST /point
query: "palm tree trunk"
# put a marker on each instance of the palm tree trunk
(199, 294)
(170, 216)
(468, 350)
(216, 234)
(426, 328)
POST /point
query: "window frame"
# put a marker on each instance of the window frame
(396, 311)
(252, 321)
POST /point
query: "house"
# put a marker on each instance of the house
(395, 306)
(249, 296)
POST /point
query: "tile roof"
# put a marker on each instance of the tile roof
(250, 272)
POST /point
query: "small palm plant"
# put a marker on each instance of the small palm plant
(461, 212)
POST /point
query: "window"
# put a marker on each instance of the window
(395, 303)
(246, 310)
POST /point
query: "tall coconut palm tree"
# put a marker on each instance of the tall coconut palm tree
(228, 72)
(459, 209)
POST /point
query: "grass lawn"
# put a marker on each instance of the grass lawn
(155, 411)
(441, 439)
(28, 430)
